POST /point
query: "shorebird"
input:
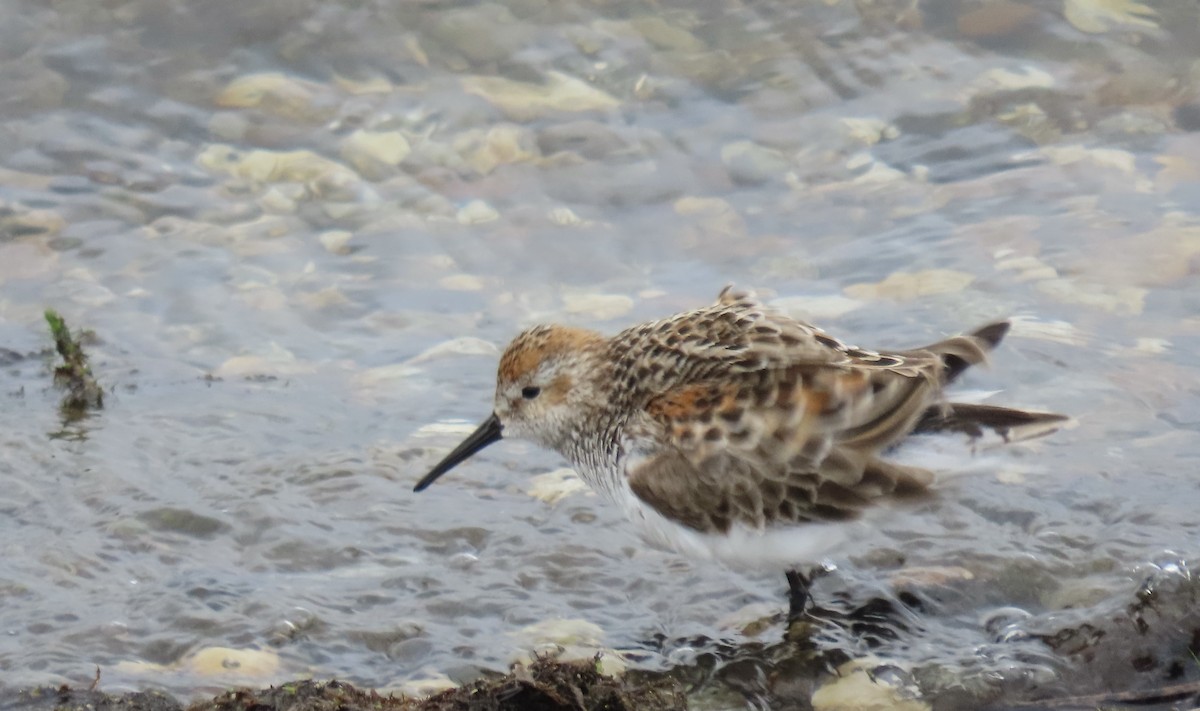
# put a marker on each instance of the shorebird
(735, 433)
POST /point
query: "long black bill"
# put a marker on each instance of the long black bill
(485, 434)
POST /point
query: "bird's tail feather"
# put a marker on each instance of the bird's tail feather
(961, 352)
(1011, 424)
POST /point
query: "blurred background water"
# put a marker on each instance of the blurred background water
(302, 230)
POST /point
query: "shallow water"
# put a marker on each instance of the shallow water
(278, 331)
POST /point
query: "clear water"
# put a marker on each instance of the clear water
(276, 331)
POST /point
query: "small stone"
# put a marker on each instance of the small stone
(277, 362)
(329, 297)
(751, 164)
(465, 345)
(370, 83)
(385, 376)
(564, 632)
(462, 561)
(523, 101)
(857, 688)
(461, 282)
(367, 151)
(1053, 331)
(1152, 346)
(1129, 300)
(662, 34)
(420, 688)
(878, 172)
(445, 430)
(1031, 122)
(277, 201)
(476, 212)
(1011, 476)
(713, 218)
(1097, 16)
(554, 486)
(904, 286)
(598, 306)
(869, 130)
(243, 663)
(1027, 268)
(566, 217)
(1005, 80)
(336, 241)
(816, 308)
(272, 166)
(499, 145)
(279, 94)
(1123, 161)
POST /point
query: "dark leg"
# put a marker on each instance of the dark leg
(798, 596)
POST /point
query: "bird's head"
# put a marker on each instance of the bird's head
(548, 383)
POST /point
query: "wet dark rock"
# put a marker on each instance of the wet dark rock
(1140, 653)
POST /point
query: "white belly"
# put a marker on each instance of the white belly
(743, 548)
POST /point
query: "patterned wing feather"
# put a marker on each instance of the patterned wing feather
(738, 334)
(789, 444)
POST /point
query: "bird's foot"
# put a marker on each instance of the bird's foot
(798, 596)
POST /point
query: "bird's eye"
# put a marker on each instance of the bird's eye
(530, 392)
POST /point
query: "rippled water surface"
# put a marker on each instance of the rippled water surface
(301, 231)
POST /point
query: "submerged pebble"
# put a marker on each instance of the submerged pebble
(524, 101)
(857, 687)
(904, 286)
(557, 485)
(598, 306)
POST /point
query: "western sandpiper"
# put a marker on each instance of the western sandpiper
(735, 433)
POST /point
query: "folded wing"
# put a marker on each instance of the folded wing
(791, 440)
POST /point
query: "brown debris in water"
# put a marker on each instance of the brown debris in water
(545, 685)
(553, 686)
